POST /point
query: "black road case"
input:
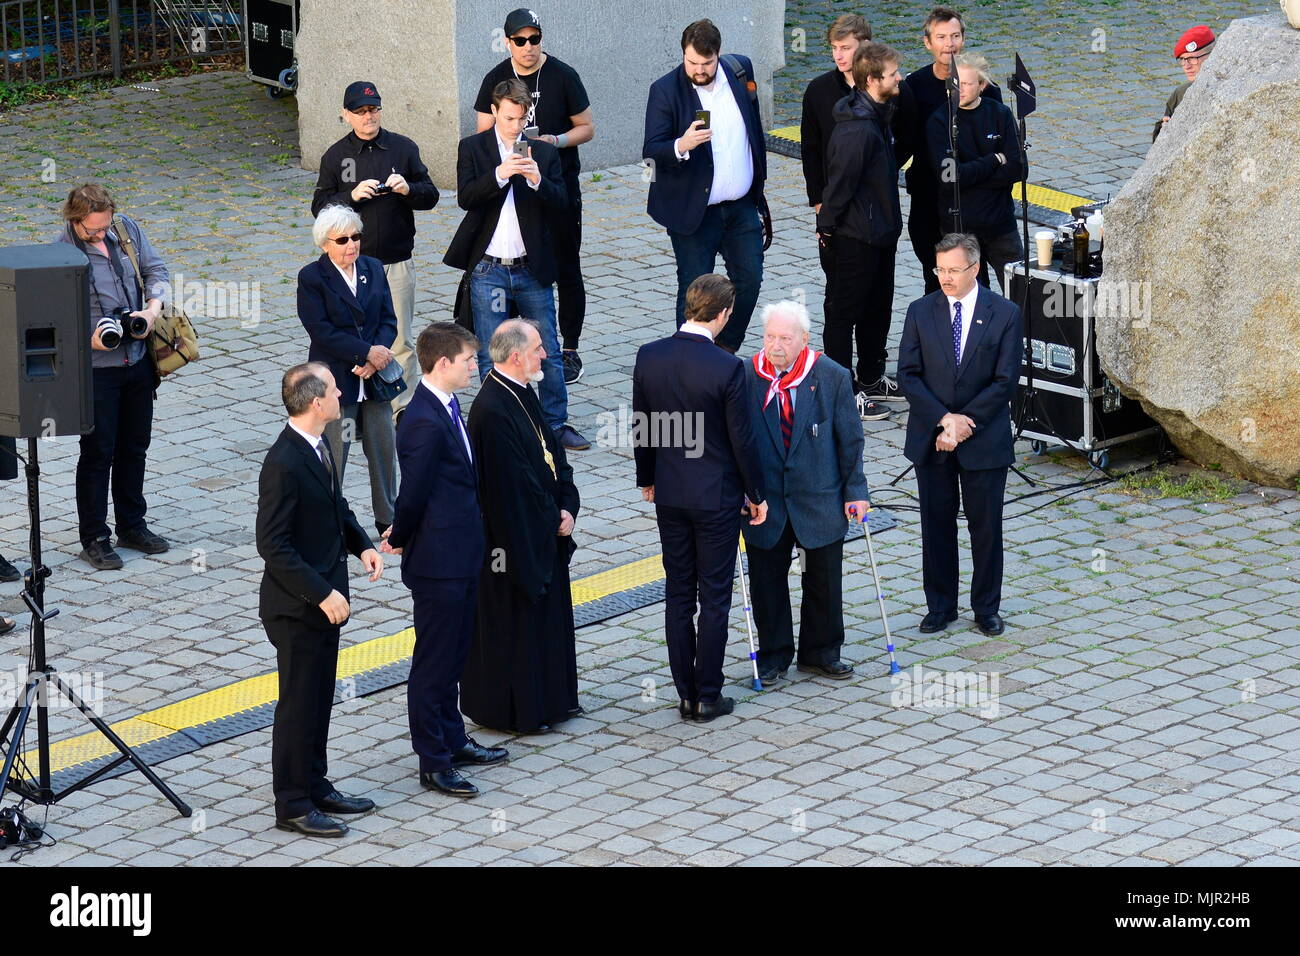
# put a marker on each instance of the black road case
(270, 27)
(1074, 402)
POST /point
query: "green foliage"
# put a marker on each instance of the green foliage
(1162, 483)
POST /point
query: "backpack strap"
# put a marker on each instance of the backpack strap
(738, 69)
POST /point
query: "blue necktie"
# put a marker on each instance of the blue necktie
(460, 425)
(956, 332)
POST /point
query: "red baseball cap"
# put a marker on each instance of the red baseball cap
(1195, 39)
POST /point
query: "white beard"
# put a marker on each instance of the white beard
(537, 376)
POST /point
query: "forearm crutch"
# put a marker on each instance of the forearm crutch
(880, 597)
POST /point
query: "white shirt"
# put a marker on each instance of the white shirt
(733, 165)
(352, 284)
(445, 398)
(314, 440)
(694, 329)
(967, 314)
(351, 281)
(507, 242)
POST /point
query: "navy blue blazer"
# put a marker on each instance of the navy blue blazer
(982, 387)
(810, 483)
(679, 191)
(437, 520)
(697, 444)
(342, 326)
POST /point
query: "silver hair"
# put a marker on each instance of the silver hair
(335, 218)
(787, 307)
(510, 337)
(977, 62)
(963, 241)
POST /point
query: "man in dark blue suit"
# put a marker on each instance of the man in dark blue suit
(438, 530)
(809, 442)
(707, 171)
(696, 462)
(959, 364)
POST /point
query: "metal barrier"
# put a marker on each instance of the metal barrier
(51, 40)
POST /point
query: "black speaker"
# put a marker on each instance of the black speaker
(45, 380)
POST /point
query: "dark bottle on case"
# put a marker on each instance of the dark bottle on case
(1082, 266)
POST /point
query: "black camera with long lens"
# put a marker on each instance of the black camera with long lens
(119, 323)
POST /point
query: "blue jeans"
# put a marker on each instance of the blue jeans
(493, 289)
(735, 230)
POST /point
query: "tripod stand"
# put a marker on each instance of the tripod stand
(1031, 406)
(43, 676)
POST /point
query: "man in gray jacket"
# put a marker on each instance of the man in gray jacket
(809, 442)
(114, 453)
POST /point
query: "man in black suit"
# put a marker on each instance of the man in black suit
(438, 530)
(305, 531)
(696, 462)
(959, 364)
(510, 188)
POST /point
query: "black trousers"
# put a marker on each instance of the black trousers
(924, 231)
(860, 291)
(114, 453)
(307, 660)
(571, 292)
(445, 614)
(699, 554)
(981, 493)
(821, 616)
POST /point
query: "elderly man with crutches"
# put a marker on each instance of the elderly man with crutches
(809, 441)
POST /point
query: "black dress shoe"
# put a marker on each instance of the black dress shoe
(936, 621)
(313, 823)
(686, 708)
(771, 675)
(474, 753)
(142, 539)
(575, 712)
(706, 710)
(568, 436)
(835, 670)
(101, 556)
(990, 624)
(448, 781)
(7, 625)
(8, 572)
(340, 803)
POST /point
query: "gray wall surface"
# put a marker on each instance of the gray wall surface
(429, 58)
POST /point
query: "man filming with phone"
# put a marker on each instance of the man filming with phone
(508, 187)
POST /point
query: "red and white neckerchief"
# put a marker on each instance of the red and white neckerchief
(780, 386)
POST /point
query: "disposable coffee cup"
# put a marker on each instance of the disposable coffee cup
(1044, 239)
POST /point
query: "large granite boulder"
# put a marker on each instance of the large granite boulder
(1200, 300)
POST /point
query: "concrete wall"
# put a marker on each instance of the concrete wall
(428, 59)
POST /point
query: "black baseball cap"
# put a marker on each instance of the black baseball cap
(360, 93)
(516, 20)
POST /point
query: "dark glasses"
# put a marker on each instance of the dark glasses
(533, 40)
(344, 240)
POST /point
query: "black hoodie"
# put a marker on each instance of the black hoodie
(861, 195)
(986, 204)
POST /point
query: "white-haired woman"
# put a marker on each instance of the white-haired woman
(346, 307)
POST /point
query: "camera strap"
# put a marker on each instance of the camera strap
(128, 246)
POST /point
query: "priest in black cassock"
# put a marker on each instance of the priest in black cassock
(522, 672)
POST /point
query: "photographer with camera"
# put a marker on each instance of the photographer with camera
(122, 316)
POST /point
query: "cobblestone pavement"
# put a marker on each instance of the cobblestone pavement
(1146, 684)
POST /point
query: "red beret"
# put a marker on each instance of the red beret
(1197, 38)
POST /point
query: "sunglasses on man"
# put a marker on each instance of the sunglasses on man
(533, 40)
